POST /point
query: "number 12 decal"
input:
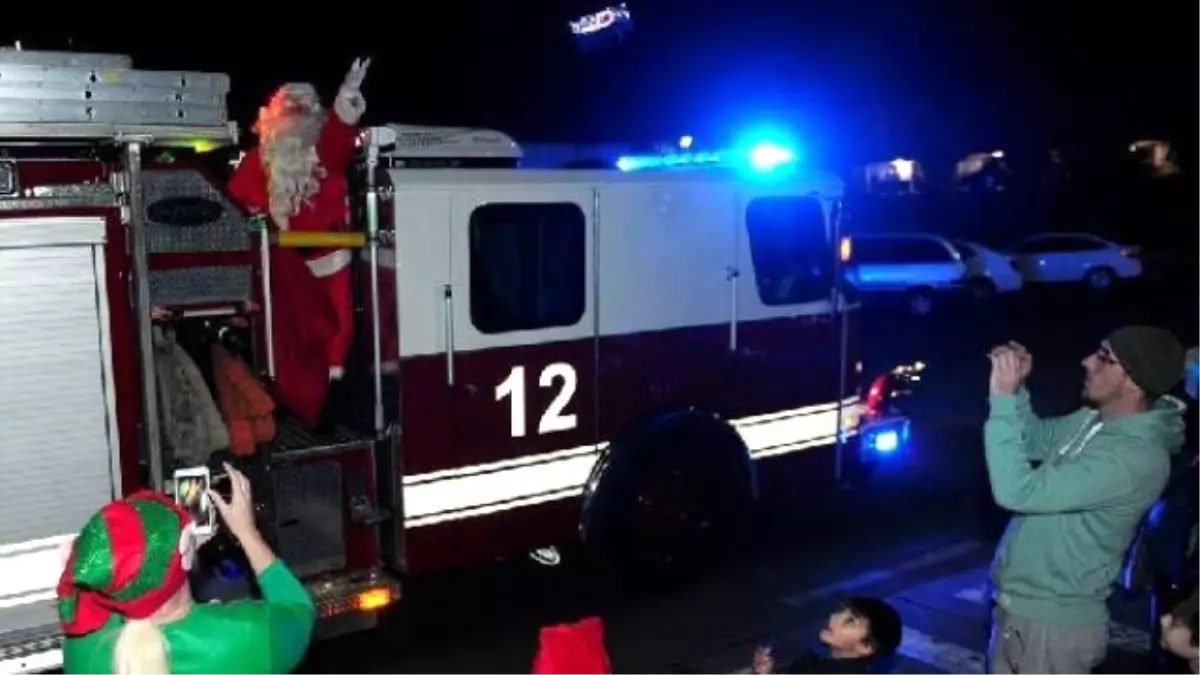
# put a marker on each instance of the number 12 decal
(553, 419)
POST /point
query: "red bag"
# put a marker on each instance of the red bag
(572, 649)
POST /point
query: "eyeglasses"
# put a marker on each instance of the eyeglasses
(1105, 355)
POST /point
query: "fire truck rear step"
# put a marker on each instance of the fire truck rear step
(294, 442)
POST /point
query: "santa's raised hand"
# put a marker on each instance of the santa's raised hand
(350, 104)
(357, 73)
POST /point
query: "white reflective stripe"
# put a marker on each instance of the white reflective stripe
(499, 487)
(33, 663)
(494, 508)
(330, 263)
(29, 570)
(492, 467)
(467, 492)
(765, 436)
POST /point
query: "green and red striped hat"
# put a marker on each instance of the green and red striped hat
(127, 560)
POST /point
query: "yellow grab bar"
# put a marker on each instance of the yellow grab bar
(290, 239)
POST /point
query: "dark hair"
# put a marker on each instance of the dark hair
(1186, 613)
(884, 627)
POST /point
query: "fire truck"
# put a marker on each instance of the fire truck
(626, 358)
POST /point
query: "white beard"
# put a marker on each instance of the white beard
(294, 171)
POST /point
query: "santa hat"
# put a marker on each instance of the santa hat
(575, 648)
(128, 560)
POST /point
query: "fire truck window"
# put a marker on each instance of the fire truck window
(528, 266)
(793, 260)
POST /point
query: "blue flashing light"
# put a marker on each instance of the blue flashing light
(760, 157)
(887, 441)
(768, 156)
(886, 437)
(672, 160)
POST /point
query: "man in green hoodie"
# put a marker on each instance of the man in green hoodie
(1075, 514)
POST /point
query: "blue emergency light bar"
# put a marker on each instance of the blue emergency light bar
(760, 157)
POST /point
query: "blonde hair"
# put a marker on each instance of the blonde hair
(141, 649)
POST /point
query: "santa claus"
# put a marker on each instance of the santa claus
(297, 177)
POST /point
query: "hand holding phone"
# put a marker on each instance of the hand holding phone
(192, 488)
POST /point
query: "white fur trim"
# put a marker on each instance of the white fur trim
(336, 372)
(330, 263)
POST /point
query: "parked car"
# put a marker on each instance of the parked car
(1075, 257)
(924, 270)
(988, 271)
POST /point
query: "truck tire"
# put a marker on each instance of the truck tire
(671, 497)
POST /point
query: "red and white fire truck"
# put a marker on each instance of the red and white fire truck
(622, 357)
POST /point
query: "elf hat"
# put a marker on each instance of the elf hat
(127, 560)
(572, 648)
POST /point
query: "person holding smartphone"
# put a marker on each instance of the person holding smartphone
(125, 605)
(1074, 516)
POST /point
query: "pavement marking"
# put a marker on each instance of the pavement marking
(943, 655)
(844, 586)
(1120, 636)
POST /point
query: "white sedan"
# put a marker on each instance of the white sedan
(991, 271)
(1074, 258)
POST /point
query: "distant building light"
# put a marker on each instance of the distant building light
(905, 168)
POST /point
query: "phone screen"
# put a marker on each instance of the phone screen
(191, 492)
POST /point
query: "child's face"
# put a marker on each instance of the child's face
(1177, 638)
(847, 633)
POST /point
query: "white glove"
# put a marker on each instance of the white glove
(350, 104)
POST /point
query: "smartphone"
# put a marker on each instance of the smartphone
(191, 493)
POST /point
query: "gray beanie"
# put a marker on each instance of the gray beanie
(1151, 356)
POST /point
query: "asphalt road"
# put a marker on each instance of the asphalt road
(920, 531)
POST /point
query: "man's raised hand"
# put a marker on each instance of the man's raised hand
(1006, 372)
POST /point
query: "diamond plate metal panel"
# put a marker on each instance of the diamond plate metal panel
(200, 285)
(185, 213)
(309, 517)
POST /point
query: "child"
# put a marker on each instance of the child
(1179, 632)
(860, 632)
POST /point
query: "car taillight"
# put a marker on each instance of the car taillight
(876, 396)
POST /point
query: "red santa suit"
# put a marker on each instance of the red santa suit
(297, 175)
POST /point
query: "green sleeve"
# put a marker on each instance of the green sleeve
(291, 616)
(1095, 479)
(1042, 435)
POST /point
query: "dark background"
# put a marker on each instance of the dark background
(851, 77)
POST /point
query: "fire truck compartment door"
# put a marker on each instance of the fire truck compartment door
(505, 358)
(524, 343)
(58, 450)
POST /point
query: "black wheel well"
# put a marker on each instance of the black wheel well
(635, 446)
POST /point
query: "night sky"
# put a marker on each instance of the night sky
(857, 77)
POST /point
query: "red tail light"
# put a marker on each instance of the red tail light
(876, 395)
